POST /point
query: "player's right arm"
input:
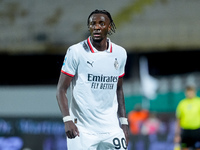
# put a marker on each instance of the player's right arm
(63, 84)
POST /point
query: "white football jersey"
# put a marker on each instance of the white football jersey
(93, 102)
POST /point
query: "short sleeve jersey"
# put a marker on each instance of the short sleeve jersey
(95, 75)
(188, 111)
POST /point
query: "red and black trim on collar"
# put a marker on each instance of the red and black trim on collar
(91, 47)
(88, 40)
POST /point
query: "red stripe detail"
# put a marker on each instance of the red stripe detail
(122, 75)
(71, 75)
(88, 40)
(110, 47)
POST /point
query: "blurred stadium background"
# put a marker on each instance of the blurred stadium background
(161, 38)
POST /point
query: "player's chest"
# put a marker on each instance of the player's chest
(102, 63)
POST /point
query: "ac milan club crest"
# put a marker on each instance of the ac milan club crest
(116, 64)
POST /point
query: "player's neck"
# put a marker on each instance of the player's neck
(100, 45)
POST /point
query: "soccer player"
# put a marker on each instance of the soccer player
(94, 114)
(188, 121)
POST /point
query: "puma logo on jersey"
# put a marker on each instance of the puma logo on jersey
(91, 63)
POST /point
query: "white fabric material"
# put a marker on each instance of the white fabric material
(123, 120)
(106, 141)
(95, 75)
(67, 118)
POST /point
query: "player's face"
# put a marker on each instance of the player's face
(99, 25)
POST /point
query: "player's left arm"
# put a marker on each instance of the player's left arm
(121, 106)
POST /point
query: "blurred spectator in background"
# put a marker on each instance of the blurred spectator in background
(136, 119)
(187, 131)
(151, 125)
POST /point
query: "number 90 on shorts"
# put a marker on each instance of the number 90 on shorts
(106, 141)
(119, 143)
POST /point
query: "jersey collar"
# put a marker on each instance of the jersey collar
(94, 50)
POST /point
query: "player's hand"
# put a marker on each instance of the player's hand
(126, 131)
(71, 129)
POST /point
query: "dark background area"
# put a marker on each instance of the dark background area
(30, 69)
(45, 69)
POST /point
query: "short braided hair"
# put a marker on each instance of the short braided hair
(97, 11)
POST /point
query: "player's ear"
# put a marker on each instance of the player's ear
(109, 28)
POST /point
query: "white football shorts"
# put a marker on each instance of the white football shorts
(99, 141)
